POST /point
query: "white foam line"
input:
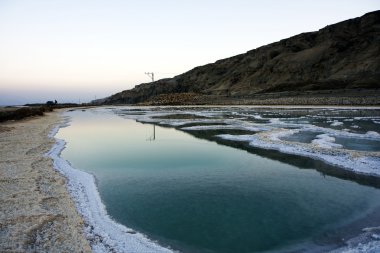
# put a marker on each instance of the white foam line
(103, 233)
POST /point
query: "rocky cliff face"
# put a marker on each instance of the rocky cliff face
(345, 55)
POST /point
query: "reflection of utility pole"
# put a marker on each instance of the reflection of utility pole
(153, 138)
(151, 75)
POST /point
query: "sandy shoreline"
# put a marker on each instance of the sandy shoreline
(37, 213)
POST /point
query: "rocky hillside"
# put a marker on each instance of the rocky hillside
(342, 56)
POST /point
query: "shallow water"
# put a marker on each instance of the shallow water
(195, 195)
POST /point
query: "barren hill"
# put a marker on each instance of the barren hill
(344, 56)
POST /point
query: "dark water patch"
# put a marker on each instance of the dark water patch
(358, 144)
(129, 110)
(364, 125)
(256, 120)
(203, 124)
(179, 116)
(302, 136)
(212, 133)
(132, 113)
(287, 127)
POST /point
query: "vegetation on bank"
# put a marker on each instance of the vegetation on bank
(29, 110)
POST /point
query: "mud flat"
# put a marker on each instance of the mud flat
(36, 211)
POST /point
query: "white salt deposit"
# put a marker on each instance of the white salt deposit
(336, 123)
(276, 136)
(373, 134)
(326, 141)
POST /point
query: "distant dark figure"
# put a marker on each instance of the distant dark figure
(49, 103)
(55, 102)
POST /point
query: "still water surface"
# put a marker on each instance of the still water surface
(198, 196)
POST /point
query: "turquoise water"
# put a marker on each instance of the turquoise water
(198, 196)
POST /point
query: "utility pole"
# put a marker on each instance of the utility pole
(151, 75)
(153, 138)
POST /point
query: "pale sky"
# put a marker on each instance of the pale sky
(76, 50)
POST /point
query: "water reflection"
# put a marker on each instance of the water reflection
(187, 191)
(153, 136)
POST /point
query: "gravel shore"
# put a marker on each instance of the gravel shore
(36, 211)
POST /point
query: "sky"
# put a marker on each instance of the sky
(79, 50)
